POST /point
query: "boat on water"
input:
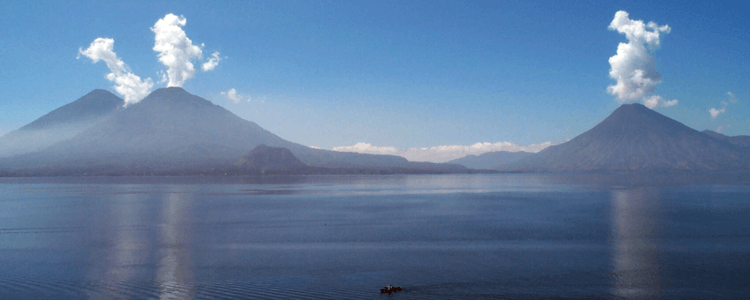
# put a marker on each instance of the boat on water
(389, 289)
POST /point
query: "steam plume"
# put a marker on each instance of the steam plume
(633, 66)
(175, 49)
(127, 84)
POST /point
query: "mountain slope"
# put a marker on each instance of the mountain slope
(490, 160)
(173, 131)
(636, 139)
(168, 130)
(739, 140)
(61, 124)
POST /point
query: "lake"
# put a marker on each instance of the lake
(321, 237)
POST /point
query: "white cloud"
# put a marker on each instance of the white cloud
(176, 50)
(231, 94)
(721, 128)
(669, 103)
(212, 62)
(367, 148)
(127, 84)
(163, 77)
(732, 98)
(656, 101)
(442, 153)
(633, 66)
(715, 112)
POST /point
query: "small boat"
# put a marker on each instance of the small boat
(390, 289)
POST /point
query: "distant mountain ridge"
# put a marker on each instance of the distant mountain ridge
(490, 160)
(174, 132)
(739, 140)
(637, 139)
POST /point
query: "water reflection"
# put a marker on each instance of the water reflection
(636, 221)
(174, 273)
(127, 239)
(140, 244)
(116, 240)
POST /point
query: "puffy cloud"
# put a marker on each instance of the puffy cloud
(212, 62)
(669, 103)
(231, 94)
(442, 153)
(656, 101)
(176, 50)
(127, 84)
(633, 66)
(715, 112)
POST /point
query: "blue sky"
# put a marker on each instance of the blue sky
(390, 73)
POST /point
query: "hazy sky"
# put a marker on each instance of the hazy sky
(390, 73)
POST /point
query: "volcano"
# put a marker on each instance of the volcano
(174, 132)
(61, 124)
(635, 138)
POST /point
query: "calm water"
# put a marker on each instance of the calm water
(438, 237)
